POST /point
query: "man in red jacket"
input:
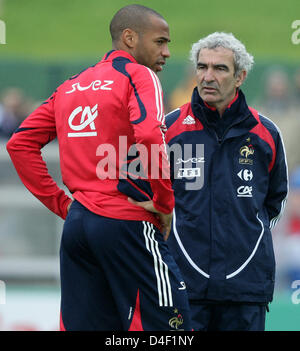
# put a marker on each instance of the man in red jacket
(116, 270)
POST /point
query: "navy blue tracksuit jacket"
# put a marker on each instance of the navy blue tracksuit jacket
(230, 185)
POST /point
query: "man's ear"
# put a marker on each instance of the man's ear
(240, 78)
(129, 38)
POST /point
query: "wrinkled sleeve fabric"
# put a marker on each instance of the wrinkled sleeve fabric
(146, 113)
(24, 148)
(278, 184)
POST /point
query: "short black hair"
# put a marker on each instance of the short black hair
(132, 16)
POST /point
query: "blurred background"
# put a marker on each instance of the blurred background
(48, 41)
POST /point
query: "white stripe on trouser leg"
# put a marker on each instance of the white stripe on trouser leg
(161, 269)
(164, 271)
(155, 251)
(147, 240)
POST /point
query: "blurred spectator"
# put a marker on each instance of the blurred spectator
(293, 229)
(278, 102)
(296, 95)
(287, 236)
(276, 99)
(183, 92)
(289, 125)
(14, 107)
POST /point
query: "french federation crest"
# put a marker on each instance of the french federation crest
(245, 152)
(176, 321)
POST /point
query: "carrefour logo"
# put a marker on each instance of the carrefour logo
(245, 174)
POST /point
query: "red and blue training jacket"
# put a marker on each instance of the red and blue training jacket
(103, 118)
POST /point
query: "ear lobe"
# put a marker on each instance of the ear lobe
(129, 38)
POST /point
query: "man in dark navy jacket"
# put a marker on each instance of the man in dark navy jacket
(230, 186)
(230, 191)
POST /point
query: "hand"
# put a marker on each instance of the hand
(165, 219)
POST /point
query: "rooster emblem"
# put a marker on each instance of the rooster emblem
(246, 150)
(176, 321)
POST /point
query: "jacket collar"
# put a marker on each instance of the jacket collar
(236, 112)
(113, 54)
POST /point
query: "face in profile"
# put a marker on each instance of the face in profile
(151, 48)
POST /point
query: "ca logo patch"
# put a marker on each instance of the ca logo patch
(88, 115)
(244, 191)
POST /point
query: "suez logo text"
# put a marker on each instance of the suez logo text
(88, 114)
(189, 172)
(192, 160)
(95, 85)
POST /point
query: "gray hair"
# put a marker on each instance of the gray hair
(242, 59)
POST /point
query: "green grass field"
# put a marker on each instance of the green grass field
(71, 29)
(283, 315)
